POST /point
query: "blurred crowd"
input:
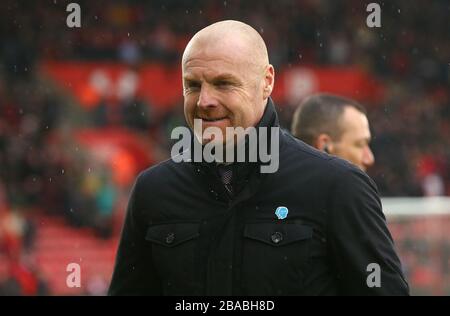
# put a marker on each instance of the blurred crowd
(409, 54)
(42, 172)
(410, 125)
(424, 248)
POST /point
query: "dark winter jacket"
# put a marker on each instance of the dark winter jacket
(185, 235)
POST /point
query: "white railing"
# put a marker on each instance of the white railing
(415, 206)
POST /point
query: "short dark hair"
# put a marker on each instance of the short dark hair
(320, 114)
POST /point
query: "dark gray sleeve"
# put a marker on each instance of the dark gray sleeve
(134, 272)
(359, 236)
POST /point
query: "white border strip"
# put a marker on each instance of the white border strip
(416, 206)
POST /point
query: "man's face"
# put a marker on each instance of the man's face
(222, 87)
(355, 138)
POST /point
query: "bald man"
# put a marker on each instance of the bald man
(313, 226)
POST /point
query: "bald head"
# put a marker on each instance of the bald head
(235, 37)
(227, 77)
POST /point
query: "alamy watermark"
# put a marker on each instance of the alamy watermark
(374, 277)
(374, 18)
(74, 17)
(74, 277)
(235, 149)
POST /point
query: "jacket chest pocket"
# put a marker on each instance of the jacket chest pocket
(174, 253)
(275, 258)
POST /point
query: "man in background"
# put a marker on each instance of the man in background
(336, 125)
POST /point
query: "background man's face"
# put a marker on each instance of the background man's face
(221, 87)
(354, 141)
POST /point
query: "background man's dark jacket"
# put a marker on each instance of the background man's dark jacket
(183, 235)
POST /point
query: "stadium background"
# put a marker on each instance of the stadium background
(82, 110)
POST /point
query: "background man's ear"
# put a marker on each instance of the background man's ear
(324, 143)
(269, 81)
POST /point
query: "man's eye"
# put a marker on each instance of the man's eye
(361, 144)
(223, 84)
(192, 86)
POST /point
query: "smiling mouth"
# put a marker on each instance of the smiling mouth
(213, 119)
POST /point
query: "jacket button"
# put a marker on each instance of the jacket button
(277, 237)
(170, 238)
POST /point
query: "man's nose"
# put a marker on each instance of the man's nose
(368, 157)
(206, 98)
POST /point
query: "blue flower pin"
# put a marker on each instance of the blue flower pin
(281, 212)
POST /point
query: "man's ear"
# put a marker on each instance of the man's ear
(324, 143)
(269, 81)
